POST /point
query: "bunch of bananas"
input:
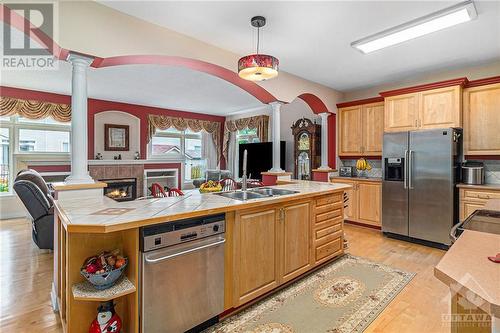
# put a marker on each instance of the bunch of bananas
(363, 164)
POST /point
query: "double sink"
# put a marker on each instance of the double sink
(255, 193)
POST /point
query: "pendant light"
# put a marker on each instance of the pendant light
(258, 67)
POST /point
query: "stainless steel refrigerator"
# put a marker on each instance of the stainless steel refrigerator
(419, 196)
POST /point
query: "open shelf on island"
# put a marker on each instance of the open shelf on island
(85, 291)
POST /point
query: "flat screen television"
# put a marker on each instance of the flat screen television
(260, 158)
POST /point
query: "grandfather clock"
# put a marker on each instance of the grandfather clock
(307, 148)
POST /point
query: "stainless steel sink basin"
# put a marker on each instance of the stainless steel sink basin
(239, 195)
(272, 191)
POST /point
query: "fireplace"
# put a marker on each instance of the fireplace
(121, 189)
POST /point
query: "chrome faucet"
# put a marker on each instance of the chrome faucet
(244, 177)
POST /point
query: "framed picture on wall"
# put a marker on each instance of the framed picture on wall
(116, 137)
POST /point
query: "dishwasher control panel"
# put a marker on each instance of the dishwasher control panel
(177, 232)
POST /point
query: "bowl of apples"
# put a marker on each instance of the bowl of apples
(103, 270)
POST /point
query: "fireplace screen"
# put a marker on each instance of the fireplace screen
(121, 189)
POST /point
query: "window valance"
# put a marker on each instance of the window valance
(181, 124)
(261, 123)
(34, 109)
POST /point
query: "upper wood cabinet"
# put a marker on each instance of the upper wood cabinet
(435, 108)
(401, 113)
(372, 128)
(361, 130)
(482, 120)
(441, 108)
(350, 130)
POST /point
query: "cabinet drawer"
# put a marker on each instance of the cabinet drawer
(481, 194)
(327, 208)
(328, 223)
(329, 215)
(329, 248)
(328, 235)
(329, 199)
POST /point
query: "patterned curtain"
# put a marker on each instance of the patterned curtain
(34, 109)
(261, 123)
(181, 124)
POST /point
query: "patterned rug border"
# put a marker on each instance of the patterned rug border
(274, 301)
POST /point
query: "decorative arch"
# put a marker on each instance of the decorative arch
(19, 22)
(315, 103)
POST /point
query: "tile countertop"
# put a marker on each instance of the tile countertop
(494, 187)
(101, 214)
(369, 179)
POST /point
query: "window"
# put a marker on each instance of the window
(247, 136)
(5, 166)
(29, 136)
(181, 145)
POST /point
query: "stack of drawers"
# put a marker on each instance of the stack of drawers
(327, 229)
(472, 198)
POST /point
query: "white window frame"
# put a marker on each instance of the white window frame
(178, 157)
(15, 155)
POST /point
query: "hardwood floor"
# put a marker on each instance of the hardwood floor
(26, 276)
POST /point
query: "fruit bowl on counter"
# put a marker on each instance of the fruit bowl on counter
(362, 166)
(210, 186)
(103, 270)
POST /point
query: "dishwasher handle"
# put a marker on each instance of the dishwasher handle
(177, 254)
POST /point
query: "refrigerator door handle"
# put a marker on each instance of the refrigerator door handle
(410, 170)
(405, 171)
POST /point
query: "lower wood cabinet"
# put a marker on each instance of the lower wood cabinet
(475, 198)
(364, 203)
(271, 246)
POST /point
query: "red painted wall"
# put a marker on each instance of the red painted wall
(96, 105)
(332, 140)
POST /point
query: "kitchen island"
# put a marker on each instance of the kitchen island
(474, 281)
(284, 236)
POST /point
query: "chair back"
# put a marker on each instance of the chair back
(34, 177)
(228, 184)
(175, 192)
(157, 191)
(254, 183)
(36, 202)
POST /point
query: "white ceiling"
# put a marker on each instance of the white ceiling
(152, 85)
(312, 39)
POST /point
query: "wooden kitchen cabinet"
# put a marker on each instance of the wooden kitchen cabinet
(361, 130)
(472, 198)
(255, 254)
(369, 202)
(401, 112)
(482, 120)
(434, 108)
(295, 240)
(364, 201)
(350, 131)
(440, 108)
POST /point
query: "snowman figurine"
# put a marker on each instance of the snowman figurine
(107, 320)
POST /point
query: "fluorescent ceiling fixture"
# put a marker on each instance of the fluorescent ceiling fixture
(448, 17)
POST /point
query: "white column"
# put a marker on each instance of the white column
(324, 141)
(79, 141)
(276, 137)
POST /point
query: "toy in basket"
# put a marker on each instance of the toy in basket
(210, 186)
(103, 270)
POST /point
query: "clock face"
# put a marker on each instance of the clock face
(304, 142)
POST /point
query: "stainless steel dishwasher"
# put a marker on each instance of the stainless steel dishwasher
(182, 274)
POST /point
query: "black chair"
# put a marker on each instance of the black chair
(35, 195)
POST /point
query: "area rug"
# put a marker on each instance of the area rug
(342, 297)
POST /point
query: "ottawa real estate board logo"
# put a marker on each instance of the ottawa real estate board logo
(27, 36)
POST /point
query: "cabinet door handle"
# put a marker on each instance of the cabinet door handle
(416, 122)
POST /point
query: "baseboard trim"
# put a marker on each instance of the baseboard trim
(366, 225)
